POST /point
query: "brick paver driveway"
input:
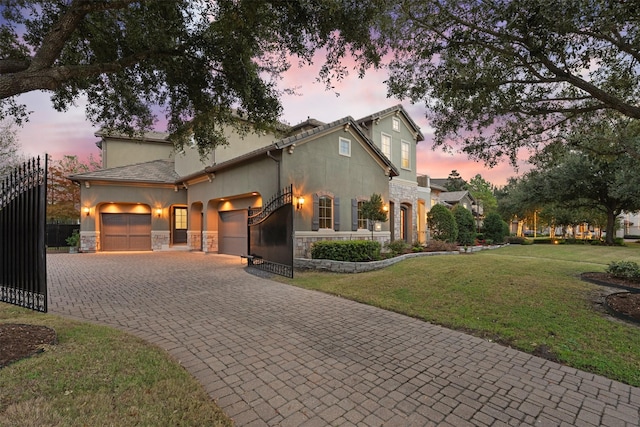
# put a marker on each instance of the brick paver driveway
(272, 354)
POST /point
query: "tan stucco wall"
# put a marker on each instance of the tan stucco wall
(101, 198)
(189, 161)
(317, 166)
(123, 152)
(385, 124)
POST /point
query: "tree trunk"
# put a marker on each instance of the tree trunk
(611, 228)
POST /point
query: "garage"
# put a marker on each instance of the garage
(126, 232)
(232, 232)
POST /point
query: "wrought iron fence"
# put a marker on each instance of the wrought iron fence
(23, 270)
(270, 231)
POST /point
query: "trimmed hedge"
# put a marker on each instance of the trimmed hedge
(346, 250)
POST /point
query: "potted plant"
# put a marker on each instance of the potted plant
(74, 242)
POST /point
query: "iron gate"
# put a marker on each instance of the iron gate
(23, 269)
(270, 234)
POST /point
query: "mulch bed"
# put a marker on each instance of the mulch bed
(18, 341)
(625, 305)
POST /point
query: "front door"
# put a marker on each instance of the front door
(179, 225)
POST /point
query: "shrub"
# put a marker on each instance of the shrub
(74, 239)
(442, 224)
(494, 228)
(346, 250)
(625, 270)
(517, 240)
(440, 246)
(466, 225)
(396, 247)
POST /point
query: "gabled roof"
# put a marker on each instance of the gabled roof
(395, 109)
(325, 128)
(307, 124)
(299, 138)
(454, 196)
(154, 172)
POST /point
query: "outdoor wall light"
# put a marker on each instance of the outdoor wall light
(385, 208)
(86, 211)
(300, 202)
(158, 212)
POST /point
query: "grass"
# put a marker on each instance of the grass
(528, 297)
(95, 376)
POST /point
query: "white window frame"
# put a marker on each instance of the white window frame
(405, 155)
(324, 220)
(382, 138)
(362, 222)
(341, 141)
(395, 124)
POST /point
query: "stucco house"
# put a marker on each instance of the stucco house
(149, 197)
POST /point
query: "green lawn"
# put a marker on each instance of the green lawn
(529, 297)
(99, 376)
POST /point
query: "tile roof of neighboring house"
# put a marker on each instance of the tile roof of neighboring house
(309, 123)
(398, 108)
(157, 172)
(454, 196)
(440, 182)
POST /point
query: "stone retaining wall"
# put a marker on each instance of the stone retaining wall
(360, 267)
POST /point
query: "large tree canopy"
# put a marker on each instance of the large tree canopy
(501, 75)
(197, 60)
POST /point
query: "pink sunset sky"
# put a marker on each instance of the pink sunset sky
(57, 134)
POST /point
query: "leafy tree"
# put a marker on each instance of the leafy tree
(465, 224)
(495, 229)
(482, 191)
(455, 182)
(10, 156)
(501, 75)
(373, 211)
(63, 195)
(442, 224)
(195, 60)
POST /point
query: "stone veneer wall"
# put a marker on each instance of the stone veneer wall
(210, 241)
(89, 241)
(357, 267)
(361, 267)
(194, 239)
(160, 240)
(303, 241)
(404, 192)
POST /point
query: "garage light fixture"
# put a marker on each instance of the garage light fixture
(86, 210)
(158, 212)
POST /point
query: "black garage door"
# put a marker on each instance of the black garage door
(126, 232)
(232, 233)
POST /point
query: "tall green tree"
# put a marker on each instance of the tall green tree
(63, 195)
(465, 224)
(495, 229)
(583, 182)
(442, 224)
(482, 191)
(455, 182)
(194, 60)
(500, 75)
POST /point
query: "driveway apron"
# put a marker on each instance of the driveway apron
(273, 354)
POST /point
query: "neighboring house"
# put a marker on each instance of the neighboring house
(629, 224)
(148, 197)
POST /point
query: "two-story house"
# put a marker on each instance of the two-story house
(148, 197)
